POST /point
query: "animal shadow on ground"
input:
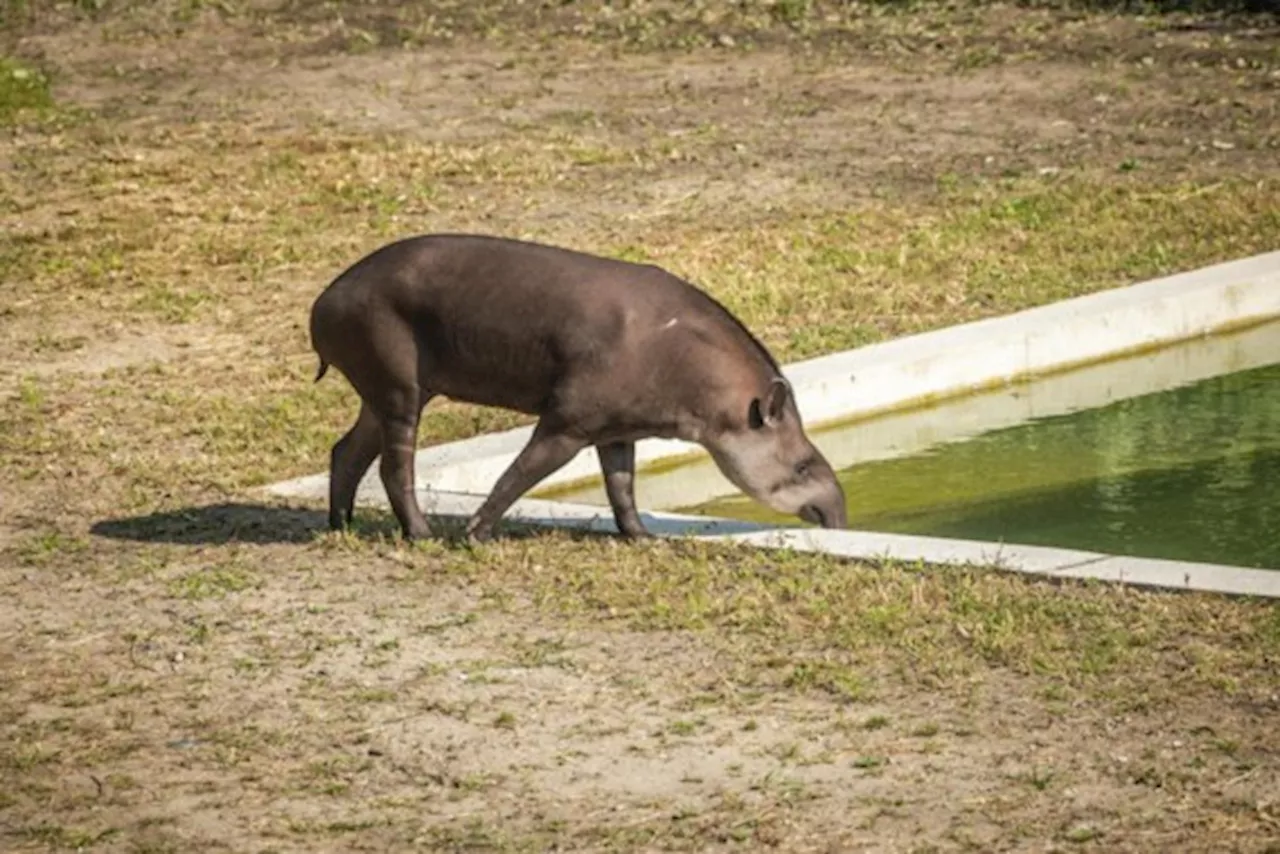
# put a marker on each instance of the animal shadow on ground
(218, 524)
(265, 524)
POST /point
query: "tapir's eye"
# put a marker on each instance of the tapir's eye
(802, 469)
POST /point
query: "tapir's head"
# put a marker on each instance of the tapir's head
(764, 451)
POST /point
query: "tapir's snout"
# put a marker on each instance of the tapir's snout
(829, 512)
(824, 503)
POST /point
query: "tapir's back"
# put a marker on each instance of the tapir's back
(460, 276)
(500, 321)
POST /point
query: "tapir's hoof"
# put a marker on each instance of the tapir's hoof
(416, 532)
(478, 533)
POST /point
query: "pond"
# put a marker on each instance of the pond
(1191, 472)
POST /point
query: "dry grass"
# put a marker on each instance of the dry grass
(187, 669)
(312, 678)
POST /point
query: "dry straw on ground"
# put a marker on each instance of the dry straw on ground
(185, 668)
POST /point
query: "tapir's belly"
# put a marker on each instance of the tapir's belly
(491, 362)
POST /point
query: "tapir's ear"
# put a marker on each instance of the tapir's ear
(768, 411)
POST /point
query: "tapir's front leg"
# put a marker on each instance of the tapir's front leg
(618, 461)
(548, 450)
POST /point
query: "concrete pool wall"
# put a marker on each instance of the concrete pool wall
(902, 374)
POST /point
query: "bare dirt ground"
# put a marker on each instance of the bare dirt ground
(186, 668)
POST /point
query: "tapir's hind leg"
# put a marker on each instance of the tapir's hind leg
(548, 450)
(350, 459)
(399, 422)
(618, 461)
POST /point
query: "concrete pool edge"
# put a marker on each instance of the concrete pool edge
(903, 373)
(878, 548)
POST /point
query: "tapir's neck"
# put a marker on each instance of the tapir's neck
(716, 393)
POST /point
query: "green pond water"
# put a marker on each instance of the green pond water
(1188, 474)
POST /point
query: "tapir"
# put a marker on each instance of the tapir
(603, 351)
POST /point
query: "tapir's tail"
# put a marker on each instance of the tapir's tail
(324, 366)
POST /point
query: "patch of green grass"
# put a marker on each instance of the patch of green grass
(23, 90)
(1040, 778)
(845, 279)
(541, 652)
(1081, 833)
(374, 695)
(790, 11)
(1226, 746)
(473, 834)
(333, 777)
(788, 751)
(30, 395)
(25, 434)
(111, 688)
(171, 304)
(818, 623)
(868, 763)
(835, 679)
(334, 828)
(59, 837)
(214, 582)
(686, 727)
(49, 547)
(475, 782)
(25, 757)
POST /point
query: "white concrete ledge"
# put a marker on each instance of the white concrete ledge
(583, 517)
(1034, 560)
(1054, 337)
(879, 548)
